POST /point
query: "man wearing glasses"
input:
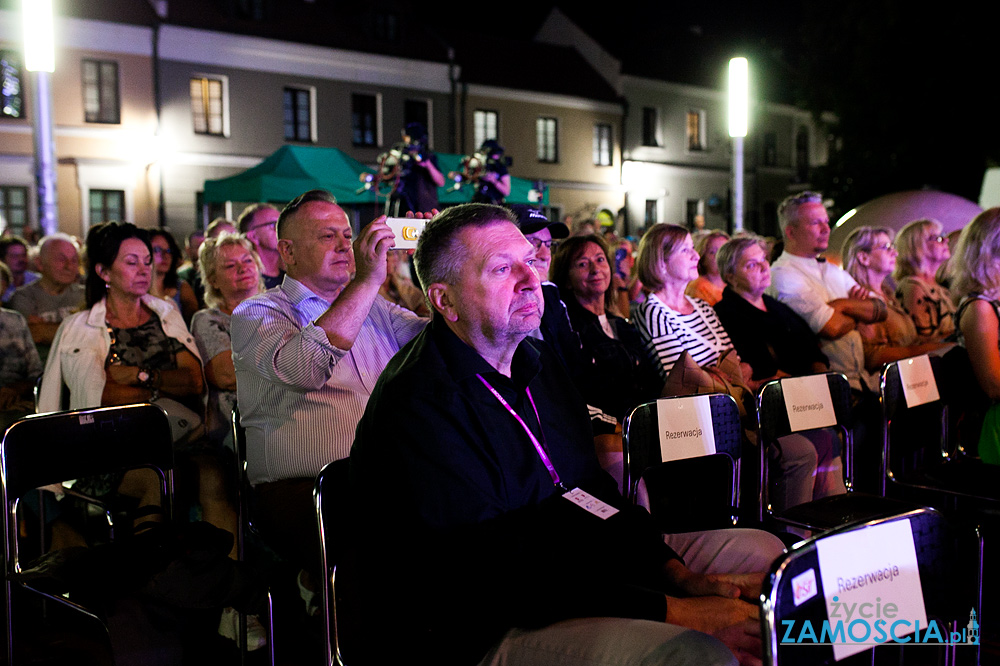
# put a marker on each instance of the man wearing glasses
(258, 222)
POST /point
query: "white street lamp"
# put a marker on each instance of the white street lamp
(739, 95)
(39, 59)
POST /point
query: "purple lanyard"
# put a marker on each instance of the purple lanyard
(534, 440)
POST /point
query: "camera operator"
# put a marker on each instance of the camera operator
(419, 176)
(494, 185)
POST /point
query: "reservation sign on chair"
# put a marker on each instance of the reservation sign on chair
(809, 403)
(685, 427)
(917, 378)
(872, 584)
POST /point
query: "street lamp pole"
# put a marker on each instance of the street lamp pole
(738, 112)
(39, 59)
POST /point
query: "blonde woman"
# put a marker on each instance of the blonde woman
(923, 249)
(870, 259)
(977, 284)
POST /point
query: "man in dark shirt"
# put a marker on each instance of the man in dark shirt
(465, 544)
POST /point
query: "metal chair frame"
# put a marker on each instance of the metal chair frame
(328, 493)
(47, 449)
(642, 455)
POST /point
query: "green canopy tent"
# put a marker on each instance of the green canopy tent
(292, 170)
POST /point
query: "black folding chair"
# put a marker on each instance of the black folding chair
(949, 560)
(48, 449)
(244, 527)
(707, 487)
(828, 512)
(923, 460)
(331, 497)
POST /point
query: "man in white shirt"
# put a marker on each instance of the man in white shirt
(307, 355)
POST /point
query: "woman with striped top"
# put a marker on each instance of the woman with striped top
(669, 321)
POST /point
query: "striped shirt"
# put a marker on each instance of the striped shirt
(300, 397)
(668, 334)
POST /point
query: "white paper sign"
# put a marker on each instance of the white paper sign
(685, 427)
(917, 377)
(808, 402)
(871, 585)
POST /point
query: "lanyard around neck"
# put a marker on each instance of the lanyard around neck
(553, 474)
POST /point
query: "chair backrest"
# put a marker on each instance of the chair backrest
(707, 486)
(773, 423)
(331, 495)
(913, 436)
(949, 560)
(242, 485)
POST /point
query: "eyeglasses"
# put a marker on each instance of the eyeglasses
(883, 246)
(538, 242)
(262, 226)
(162, 251)
(938, 239)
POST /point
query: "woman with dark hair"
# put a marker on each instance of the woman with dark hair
(127, 346)
(621, 374)
(166, 284)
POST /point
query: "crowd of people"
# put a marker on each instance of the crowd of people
(476, 390)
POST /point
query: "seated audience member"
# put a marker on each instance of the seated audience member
(189, 269)
(307, 355)
(231, 274)
(399, 288)
(219, 226)
(259, 223)
(833, 305)
(555, 328)
(708, 285)
(126, 346)
(669, 321)
(471, 437)
(20, 365)
(627, 287)
(870, 259)
(166, 285)
(777, 343)
(923, 250)
(14, 253)
(58, 293)
(977, 283)
(620, 374)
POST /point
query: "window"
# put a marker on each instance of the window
(208, 102)
(11, 100)
(602, 145)
(417, 111)
(106, 206)
(100, 92)
(364, 120)
(299, 114)
(548, 140)
(13, 210)
(694, 214)
(651, 217)
(649, 126)
(696, 130)
(770, 156)
(484, 126)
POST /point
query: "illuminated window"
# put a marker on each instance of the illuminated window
(106, 206)
(696, 130)
(299, 111)
(649, 126)
(13, 209)
(11, 100)
(208, 106)
(484, 126)
(602, 145)
(100, 92)
(548, 139)
(364, 120)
